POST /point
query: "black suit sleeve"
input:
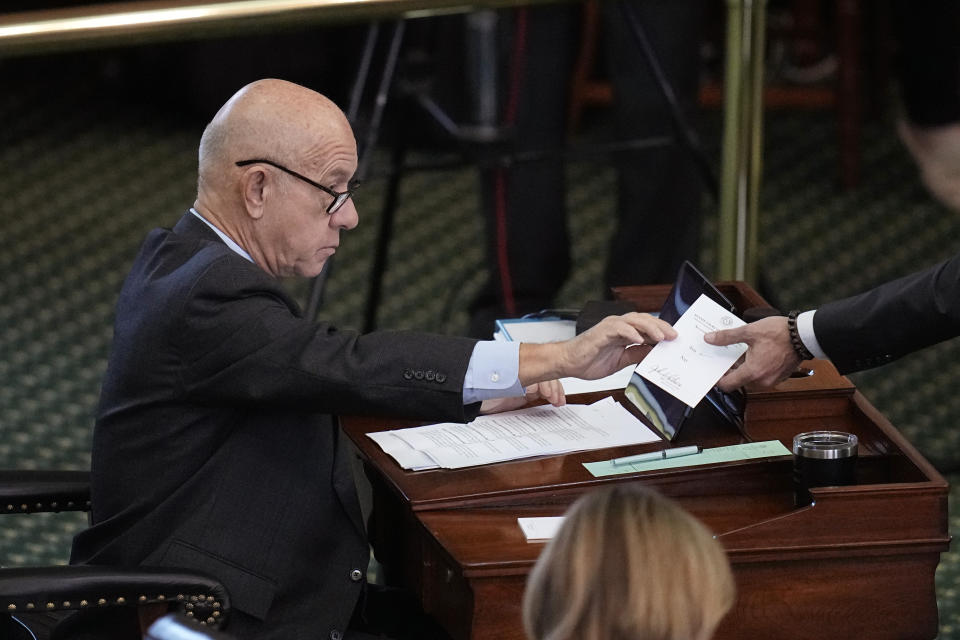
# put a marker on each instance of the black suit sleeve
(892, 320)
(240, 339)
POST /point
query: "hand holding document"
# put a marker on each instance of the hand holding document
(513, 435)
(687, 367)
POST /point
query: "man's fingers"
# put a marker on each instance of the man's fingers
(650, 329)
(634, 355)
(551, 391)
(727, 336)
(558, 396)
(733, 379)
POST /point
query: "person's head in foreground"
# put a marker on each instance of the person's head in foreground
(628, 564)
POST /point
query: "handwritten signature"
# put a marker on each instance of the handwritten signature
(666, 375)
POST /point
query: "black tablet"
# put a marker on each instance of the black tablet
(665, 413)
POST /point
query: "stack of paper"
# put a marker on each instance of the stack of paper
(513, 435)
(539, 330)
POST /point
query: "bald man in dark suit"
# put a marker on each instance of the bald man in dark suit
(216, 446)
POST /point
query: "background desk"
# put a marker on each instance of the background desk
(857, 563)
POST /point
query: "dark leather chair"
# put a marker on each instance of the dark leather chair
(87, 595)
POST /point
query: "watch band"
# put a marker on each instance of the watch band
(798, 347)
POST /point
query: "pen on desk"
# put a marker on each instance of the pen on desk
(663, 454)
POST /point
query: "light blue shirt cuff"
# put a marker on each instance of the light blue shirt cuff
(493, 372)
(807, 335)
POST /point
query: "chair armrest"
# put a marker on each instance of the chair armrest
(69, 588)
(28, 491)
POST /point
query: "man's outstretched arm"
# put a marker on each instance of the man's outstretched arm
(605, 348)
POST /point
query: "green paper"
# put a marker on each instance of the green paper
(765, 449)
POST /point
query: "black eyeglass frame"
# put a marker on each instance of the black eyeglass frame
(339, 197)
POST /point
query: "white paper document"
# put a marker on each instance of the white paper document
(540, 529)
(687, 367)
(513, 435)
(537, 330)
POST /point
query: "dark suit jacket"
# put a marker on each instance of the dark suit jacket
(215, 447)
(892, 320)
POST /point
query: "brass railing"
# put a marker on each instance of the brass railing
(125, 22)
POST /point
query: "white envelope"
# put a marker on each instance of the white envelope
(687, 367)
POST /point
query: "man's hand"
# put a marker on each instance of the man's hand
(551, 391)
(769, 359)
(600, 351)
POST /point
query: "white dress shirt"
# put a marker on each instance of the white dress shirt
(808, 336)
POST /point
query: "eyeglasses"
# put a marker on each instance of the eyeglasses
(339, 197)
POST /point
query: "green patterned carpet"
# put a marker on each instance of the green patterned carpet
(87, 170)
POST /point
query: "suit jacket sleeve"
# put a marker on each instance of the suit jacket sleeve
(240, 339)
(892, 320)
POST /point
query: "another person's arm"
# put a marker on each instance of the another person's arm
(856, 333)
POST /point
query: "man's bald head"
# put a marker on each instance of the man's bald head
(271, 119)
(282, 223)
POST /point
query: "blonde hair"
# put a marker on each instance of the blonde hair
(628, 564)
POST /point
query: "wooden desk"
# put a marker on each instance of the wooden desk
(857, 563)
